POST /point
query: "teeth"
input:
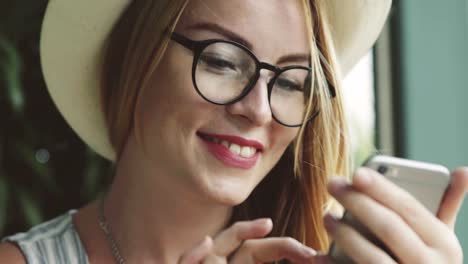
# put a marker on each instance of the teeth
(225, 143)
(234, 148)
(246, 152)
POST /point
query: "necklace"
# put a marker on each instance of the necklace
(107, 232)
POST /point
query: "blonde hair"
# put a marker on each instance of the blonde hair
(294, 192)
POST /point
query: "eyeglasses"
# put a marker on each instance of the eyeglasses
(224, 72)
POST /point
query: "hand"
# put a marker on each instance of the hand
(243, 243)
(453, 198)
(403, 224)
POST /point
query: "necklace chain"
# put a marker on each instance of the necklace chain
(107, 232)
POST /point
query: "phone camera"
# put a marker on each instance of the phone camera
(382, 169)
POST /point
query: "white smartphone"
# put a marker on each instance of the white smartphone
(425, 181)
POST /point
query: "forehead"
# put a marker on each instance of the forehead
(272, 26)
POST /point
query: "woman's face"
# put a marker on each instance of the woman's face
(197, 143)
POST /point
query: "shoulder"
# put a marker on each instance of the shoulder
(50, 230)
(10, 253)
(54, 241)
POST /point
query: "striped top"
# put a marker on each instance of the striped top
(53, 242)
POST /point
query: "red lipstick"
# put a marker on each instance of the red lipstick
(225, 155)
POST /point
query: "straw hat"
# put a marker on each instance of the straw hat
(72, 44)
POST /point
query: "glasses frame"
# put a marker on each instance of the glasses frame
(197, 47)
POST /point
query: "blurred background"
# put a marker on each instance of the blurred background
(405, 98)
(45, 169)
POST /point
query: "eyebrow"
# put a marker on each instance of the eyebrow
(223, 31)
(295, 57)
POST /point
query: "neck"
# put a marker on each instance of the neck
(154, 218)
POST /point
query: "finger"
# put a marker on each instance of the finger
(230, 239)
(453, 198)
(198, 253)
(381, 221)
(416, 215)
(273, 249)
(354, 245)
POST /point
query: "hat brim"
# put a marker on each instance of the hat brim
(72, 47)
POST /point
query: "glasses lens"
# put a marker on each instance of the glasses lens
(223, 72)
(290, 96)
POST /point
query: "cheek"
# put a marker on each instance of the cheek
(169, 86)
(284, 136)
(170, 92)
(281, 138)
(170, 111)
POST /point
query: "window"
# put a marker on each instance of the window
(358, 92)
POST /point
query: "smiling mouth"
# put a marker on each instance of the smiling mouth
(236, 149)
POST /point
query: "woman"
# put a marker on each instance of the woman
(225, 122)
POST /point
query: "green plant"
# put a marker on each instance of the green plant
(44, 168)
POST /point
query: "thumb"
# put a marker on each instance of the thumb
(453, 198)
(198, 253)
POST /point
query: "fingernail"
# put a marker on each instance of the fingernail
(309, 252)
(206, 241)
(337, 186)
(264, 221)
(363, 176)
(330, 222)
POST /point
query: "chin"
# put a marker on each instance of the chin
(228, 195)
(230, 200)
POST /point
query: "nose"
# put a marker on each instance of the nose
(255, 106)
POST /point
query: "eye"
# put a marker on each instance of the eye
(288, 85)
(217, 63)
